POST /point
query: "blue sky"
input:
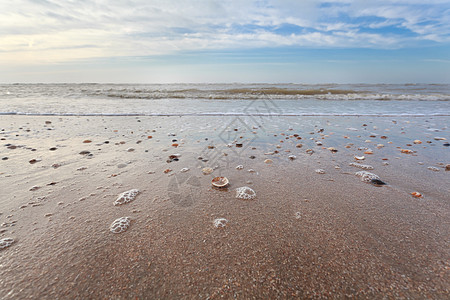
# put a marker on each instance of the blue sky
(305, 41)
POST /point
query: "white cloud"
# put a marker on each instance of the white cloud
(50, 31)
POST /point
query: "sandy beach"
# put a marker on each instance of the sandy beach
(307, 233)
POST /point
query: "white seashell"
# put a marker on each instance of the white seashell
(240, 167)
(220, 222)
(245, 193)
(120, 225)
(207, 171)
(126, 197)
(359, 157)
(366, 176)
(6, 242)
(184, 170)
(365, 167)
(320, 171)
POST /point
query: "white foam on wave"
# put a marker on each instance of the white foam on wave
(120, 225)
(245, 193)
(126, 197)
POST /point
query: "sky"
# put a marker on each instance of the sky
(165, 41)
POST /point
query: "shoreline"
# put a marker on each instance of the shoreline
(305, 235)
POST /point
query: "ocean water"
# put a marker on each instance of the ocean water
(226, 99)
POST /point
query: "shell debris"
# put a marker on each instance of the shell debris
(6, 242)
(220, 222)
(361, 166)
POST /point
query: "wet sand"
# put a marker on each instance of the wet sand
(305, 234)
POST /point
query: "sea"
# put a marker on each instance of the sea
(90, 99)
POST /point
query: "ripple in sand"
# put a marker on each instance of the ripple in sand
(220, 222)
(126, 197)
(245, 193)
(6, 242)
(120, 225)
(361, 166)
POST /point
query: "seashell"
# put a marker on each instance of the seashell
(417, 142)
(440, 138)
(220, 182)
(299, 145)
(6, 242)
(175, 145)
(365, 167)
(268, 161)
(292, 157)
(319, 171)
(240, 167)
(417, 194)
(167, 171)
(220, 222)
(184, 170)
(239, 145)
(366, 176)
(245, 193)
(87, 141)
(407, 151)
(126, 197)
(120, 225)
(359, 157)
(207, 171)
(433, 169)
(368, 152)
(332, 149)
(447, 167)
(310, 151)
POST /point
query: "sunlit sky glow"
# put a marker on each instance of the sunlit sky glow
(225, 41)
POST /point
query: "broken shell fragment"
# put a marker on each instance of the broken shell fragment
(407, 151)
(359, 157)
(207, 171)
(220, 182)
(417, 194)
(6, 242)
(220, 222)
